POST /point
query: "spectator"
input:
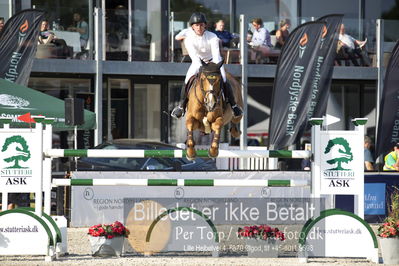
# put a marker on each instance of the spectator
(391, 159)
(282, 33)
(48, 37)
(368, 158)
(45, 35)
(351, 48)
(2, 21)
(260, 41)
(203, 45)
(81, 26)
(225, 36)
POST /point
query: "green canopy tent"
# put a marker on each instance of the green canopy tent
(17, 100)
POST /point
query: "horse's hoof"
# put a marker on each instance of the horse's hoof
(213, 153)
(235, 133)
(191, 154)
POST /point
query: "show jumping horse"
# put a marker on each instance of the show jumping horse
(207, 109)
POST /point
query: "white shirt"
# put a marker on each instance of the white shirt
(347, 40)
(261, 37)
(205, 47)
(183, 33)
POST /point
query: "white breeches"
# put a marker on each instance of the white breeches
(194, 69)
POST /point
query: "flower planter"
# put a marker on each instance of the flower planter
(262, 248)
(103, 247)
(389, 249)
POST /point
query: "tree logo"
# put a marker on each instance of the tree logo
(340, 152)
(14, 102)
(15, 150)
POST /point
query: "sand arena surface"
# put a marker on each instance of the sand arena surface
(80, 254)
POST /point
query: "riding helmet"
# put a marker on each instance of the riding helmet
(197, 17)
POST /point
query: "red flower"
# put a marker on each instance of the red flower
(109, 230)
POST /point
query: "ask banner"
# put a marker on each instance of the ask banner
(18, 44)
(292, 87)
(388, 120)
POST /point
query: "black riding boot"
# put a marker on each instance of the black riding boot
(179, 110)
(228, 92)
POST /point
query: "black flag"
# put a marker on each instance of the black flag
(324, 66)
(18, 44)
(292, 86)
(388, 120)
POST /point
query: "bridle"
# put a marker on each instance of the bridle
(213, 78)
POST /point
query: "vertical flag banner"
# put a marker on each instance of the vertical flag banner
(292, 86)
(388, 120)
(18, 44)
(324, 66)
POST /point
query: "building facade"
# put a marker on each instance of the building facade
(130, 71)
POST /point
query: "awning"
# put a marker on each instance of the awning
(16, 100)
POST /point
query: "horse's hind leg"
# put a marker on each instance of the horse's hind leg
(191, 125)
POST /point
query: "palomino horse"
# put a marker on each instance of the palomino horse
(207, 109)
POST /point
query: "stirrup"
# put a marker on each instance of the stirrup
(177, 112)
(237, 111)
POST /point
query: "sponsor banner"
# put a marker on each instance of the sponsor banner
(20, 158)
(292, 87)
(341, 163)
(208, 225)
(374, 199)
(324, 66)
(388, 119)
(104, 204)
(18, 44)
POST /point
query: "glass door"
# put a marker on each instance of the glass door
(120, 112)
(147, 111)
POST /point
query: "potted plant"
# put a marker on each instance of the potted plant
(107, 239)
(388, 232)
(261, 240)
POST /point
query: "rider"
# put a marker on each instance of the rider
(203, 45)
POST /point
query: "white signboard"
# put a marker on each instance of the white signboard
(22, 234)
(20, 161)
(341, 162)
(340, 234)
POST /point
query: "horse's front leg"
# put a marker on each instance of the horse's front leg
(191, 125)
(216, 127)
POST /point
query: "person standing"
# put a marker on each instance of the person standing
(368, 157)
(81, 26)
(391, 159)
(203, 45)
